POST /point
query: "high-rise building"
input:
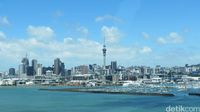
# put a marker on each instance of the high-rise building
(82, 69)
(158, 69)
(113, 67)
(68, 72)
(57, 66)
(12, 71)
(29, 71)
(34, 66)
(22, 73)
(39, 69)
(25, 61)
(62, 69)
(91, 68)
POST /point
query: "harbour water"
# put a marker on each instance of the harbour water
(30, 99)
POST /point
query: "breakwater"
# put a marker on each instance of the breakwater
(103, 91)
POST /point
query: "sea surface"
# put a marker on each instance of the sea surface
(30, 99)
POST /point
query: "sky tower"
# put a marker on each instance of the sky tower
(104, 54)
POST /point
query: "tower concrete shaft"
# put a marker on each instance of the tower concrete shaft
(104, 56)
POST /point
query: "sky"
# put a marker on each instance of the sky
(137, 32)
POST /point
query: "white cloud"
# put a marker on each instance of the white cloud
(145, 35)
(40, 31)
(83, 30)
(161, 40)
(107, 17)
(2, 35)
(172, 38)
(175, 38)
(146, 49)
(68, 40)
(4, 20)
(71, 51)
(111, 34)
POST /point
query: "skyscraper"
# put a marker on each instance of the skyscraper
(34, 66)
(113, 66)
(39, 69)
(57, 66)
(62, 69)
(22, 70)
(25, 61)
(29, 71)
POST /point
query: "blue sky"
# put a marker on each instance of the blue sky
(137, 32)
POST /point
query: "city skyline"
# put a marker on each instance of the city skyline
(138, 32)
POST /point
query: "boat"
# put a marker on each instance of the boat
(131, 83)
